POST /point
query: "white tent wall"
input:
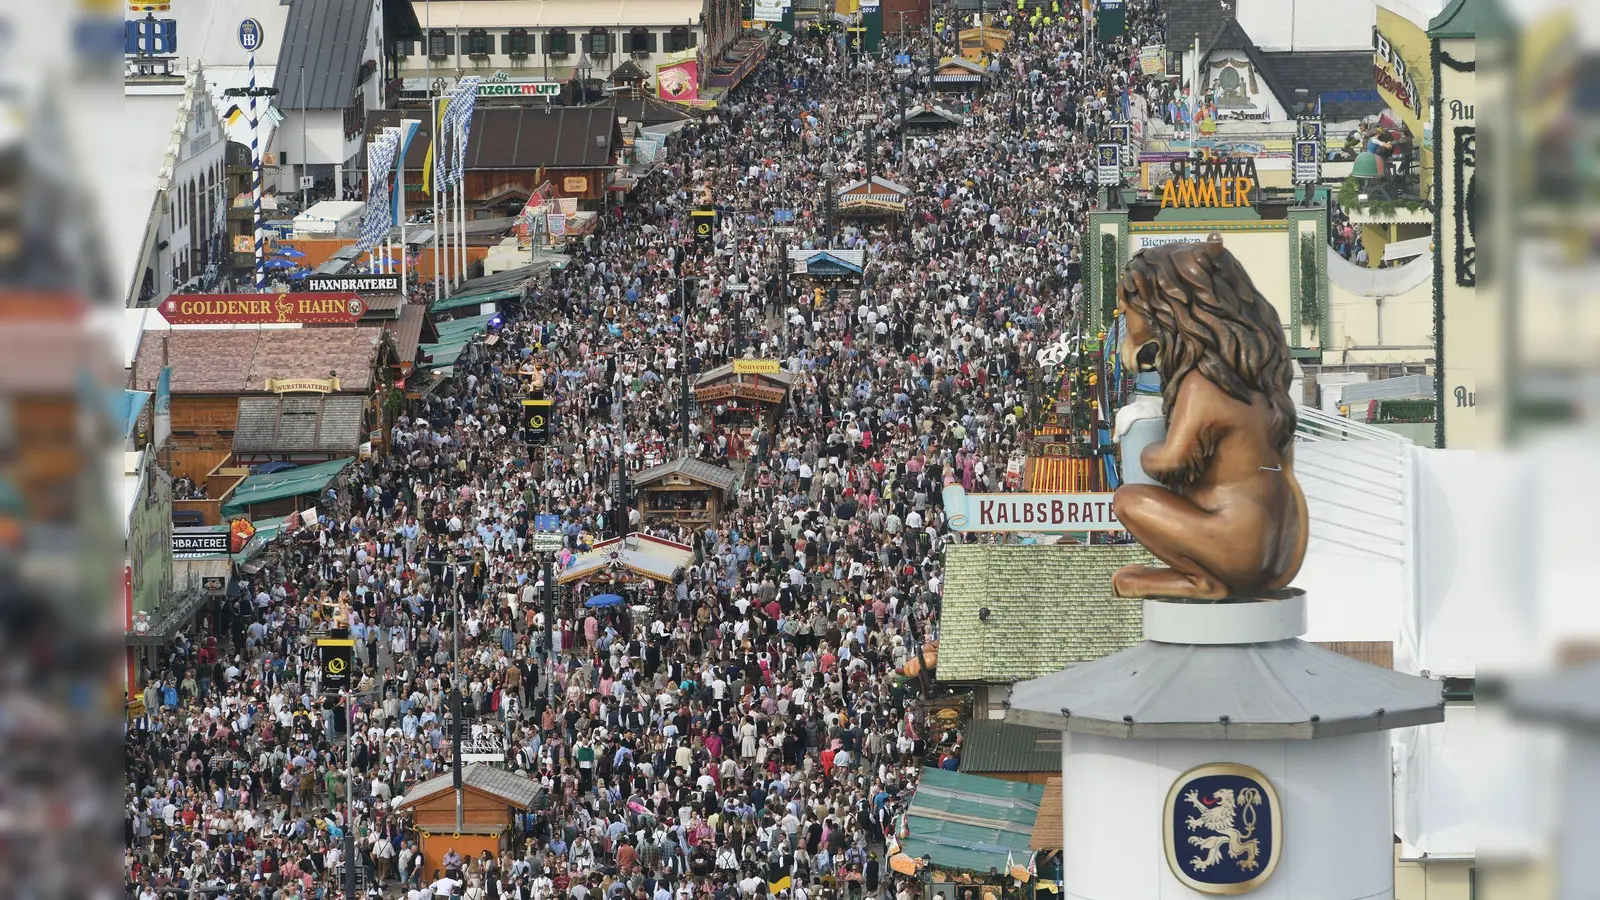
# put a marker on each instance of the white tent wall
(1356, 571)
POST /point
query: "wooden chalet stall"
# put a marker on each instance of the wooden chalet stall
(873, 197)
(736, 397)
(491, 798)
(305, 396)
(931, 119)
(956, 74)
(686, 490)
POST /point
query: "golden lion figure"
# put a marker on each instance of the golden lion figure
(1228, 517)
(1219, 818)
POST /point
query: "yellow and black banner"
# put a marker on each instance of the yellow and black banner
(336, 656)
(536, 415)
(705, 225)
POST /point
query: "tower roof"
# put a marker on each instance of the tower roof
(1279, 690)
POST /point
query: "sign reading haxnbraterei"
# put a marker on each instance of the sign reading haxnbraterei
(200, 544)
(362, 284)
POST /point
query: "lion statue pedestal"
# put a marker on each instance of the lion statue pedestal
(1223, 755)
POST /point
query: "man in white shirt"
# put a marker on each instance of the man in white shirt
(445, 887)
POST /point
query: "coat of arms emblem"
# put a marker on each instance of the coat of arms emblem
(1223, 829)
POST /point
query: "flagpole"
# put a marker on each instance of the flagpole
(255, 179)
(433, 181)
(461, 228)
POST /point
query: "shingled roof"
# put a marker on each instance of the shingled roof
(992, 745)
(239, 361)
(1188, 18)
(689, 467)
(1050, 606)
(318, 423)
(516, 790)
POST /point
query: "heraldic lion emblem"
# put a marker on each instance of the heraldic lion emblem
(1223, 828)
(1227, 516)
(1232, 821)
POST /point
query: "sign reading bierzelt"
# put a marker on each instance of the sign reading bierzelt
(1050, 513)
(366, 283)
(304, 308)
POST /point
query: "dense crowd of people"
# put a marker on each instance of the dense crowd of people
(740, 730)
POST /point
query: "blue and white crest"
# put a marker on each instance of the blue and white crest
(1223, 829)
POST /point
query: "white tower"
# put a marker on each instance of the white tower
(1224, 755)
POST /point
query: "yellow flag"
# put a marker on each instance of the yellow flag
(433, 143)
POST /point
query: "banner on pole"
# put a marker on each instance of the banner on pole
(335, 657)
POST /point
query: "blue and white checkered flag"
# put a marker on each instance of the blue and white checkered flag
(462, 104)
(380, 164)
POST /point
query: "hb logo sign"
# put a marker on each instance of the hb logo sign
(536, 421)
(336, 656)
(705, 225)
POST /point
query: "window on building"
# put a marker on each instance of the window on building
(680, 38)
(597, 42)
(516, 42)
(439, 43)
(641, 40)
(557, 40)
(404, 49)
(478, 42)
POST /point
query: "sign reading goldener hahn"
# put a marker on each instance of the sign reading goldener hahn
(262, 309)
(1049, 513)
(364, 284)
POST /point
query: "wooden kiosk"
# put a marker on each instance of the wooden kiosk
(735, 397)
(490, 797)
(686, 490)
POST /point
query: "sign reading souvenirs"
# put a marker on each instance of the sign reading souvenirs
(364, 284)
(755, 366)
(1211, 184)
(305, 308)
(213, 542)
(1051, 513)
(335, 656)
(1222, 829)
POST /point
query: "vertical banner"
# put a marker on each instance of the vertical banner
(705, 225)
(536, 422)
(1108, 164)
(163, 413)
(335, 658)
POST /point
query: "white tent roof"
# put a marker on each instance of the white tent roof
(327, 215)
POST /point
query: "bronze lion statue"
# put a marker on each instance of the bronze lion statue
(1227, 516)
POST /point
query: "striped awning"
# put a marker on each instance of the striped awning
(1062, 475)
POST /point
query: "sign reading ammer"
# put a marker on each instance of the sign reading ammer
(361, 284)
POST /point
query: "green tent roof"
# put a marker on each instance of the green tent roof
(450, 303)
(970, 822)
(279, 485)
(460, 330)
(441, 355)
(1049, 605)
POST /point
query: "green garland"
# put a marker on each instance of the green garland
(1108, 276)
(1350, 198)
(1310, 307)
